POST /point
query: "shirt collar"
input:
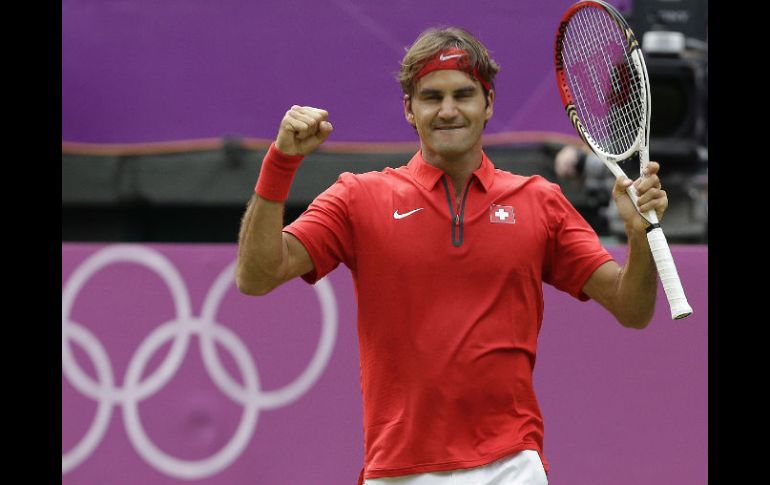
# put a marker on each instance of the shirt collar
(428, 176)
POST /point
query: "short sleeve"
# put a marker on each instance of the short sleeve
(324, 228)
(574, 251)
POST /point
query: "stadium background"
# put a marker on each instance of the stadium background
(168, 107)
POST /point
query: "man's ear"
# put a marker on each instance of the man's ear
(490, 103)
(408, 110)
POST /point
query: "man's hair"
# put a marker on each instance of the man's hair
(435, 40)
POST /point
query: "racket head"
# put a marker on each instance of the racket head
(602, 79)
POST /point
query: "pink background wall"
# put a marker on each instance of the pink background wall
(169, 373)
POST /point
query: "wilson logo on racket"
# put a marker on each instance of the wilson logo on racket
(622, 79)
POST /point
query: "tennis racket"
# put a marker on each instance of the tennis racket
(604, 85)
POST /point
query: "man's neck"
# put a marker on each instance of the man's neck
(460, 168)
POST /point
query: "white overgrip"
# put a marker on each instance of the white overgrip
(669, 277)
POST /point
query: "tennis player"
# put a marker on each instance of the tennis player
(448, 255)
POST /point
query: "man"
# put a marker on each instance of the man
(448, 256)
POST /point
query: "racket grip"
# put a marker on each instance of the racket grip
(672, 286)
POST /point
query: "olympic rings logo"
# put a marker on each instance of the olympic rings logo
(179, 331)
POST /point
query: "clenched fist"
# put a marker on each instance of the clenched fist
(302, 130)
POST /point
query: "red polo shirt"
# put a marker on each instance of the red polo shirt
(450, 303)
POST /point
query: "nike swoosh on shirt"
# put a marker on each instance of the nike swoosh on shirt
(443, 58)
(396, 215)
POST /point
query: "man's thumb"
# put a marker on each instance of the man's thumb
(621, 185)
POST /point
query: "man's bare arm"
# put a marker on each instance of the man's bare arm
(629, 292)
(267, 256)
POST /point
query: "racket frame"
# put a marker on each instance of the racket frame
(680, 308)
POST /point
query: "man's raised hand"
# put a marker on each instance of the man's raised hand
(302, 130)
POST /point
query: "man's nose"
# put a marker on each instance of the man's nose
(448, 108)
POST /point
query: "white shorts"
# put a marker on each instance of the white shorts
(524, 468)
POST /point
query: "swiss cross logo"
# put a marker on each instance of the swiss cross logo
(502, 214)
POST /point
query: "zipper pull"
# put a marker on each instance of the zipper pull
(457, 220)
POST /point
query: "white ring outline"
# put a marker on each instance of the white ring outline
(95, 433)
(191, 469)
(123, 253)
(292, 391)
(181, 329)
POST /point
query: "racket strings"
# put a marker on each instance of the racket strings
(604, 81)
(589, 66)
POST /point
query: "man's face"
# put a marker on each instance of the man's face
(449, 111)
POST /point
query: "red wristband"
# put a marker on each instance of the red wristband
(276, 174)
